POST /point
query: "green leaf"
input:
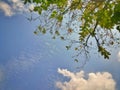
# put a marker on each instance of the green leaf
(118, 28)
(76, 60)
(76, 48)
(106, 13)
(53, 15)
(62, 38)
(38, 9)
(43, 30)
(37, 1)
(60, 18)
(27, 1)
(104, 52)
(57, 33)
(35, 32)
(68, 47)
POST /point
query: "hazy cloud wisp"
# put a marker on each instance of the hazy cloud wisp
(6, 8)
(1, 75)
(118, 56)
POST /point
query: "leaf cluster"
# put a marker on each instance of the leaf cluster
(95, 18)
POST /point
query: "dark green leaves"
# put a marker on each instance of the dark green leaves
(62, 38)
(60, 18)
(27, 1)
(57, 33)
(76, 60)
(37, 1)
(118, 28)
(53, 15)
(83, 34)
(38, 9)
(104, 52)
(57, 16)
(40, 30)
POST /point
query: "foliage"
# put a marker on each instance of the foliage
(95, 19)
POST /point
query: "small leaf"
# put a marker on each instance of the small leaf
(27, 1)
(57, 33)
(76, 48)
(118, 28)
(104, 52)
(43, 30)
(68, 47)
(76, 60)
(111, 42)
(62, 37)
(70, 30)
(53, 15)
(59, 18)
(35, 32)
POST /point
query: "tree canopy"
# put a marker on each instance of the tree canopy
(86, 23)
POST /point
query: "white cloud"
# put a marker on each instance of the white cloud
(15, 7)
(18, 6)
(94, 81)
(6, 8)
(31, 6)
(118, 56)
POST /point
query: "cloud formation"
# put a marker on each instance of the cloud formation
(18, 6)
(94, 81)
(6, 9)
(14, 7)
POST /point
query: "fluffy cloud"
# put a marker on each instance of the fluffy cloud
(6, 9)
(94, 81)
(15, 7)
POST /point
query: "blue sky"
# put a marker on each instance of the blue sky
(36, 62)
